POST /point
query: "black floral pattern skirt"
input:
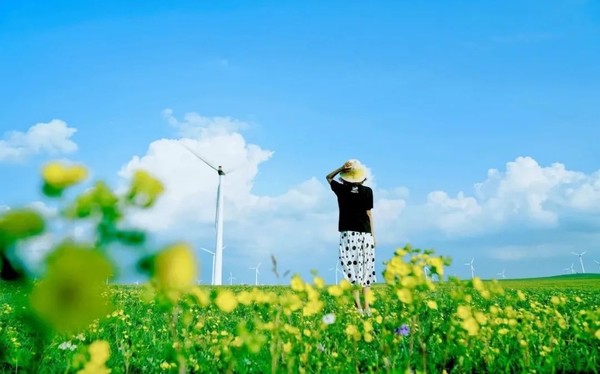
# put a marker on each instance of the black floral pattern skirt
(357, 257)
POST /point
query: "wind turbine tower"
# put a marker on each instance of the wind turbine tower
(256, 272)
(580, 255)
(218, 269)
(472, 267)
(231, 278)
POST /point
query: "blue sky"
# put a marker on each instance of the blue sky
(430, 96)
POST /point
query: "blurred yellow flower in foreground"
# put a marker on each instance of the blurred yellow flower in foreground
(144, 189)
(99, 354)
(69, 297)
(226, 301)
(175, 270)
(58, 176)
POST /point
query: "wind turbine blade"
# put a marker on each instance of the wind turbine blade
(198, 156)
(582, 253)
(576, 254)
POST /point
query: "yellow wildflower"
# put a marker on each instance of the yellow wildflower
(226, 301)
(335, 290)
(296, 283)
(319, 282)
(175, 269)
(69, 297)
(404, 296)
(432, 304)
(58, 176)
(144, 189)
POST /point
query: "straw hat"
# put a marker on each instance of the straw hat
(355, 174)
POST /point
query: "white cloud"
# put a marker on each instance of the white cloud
(525, 193)
(52, 138)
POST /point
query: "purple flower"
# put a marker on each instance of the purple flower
(403, 330)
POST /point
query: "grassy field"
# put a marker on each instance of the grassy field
(542, 325)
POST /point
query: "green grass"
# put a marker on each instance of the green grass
(528, 334)
(559, 282)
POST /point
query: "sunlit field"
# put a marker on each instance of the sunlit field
(461, 327)
(70, 319)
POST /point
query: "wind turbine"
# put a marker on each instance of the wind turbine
(337, 270)
(426, 272)
(472, 268)
(502, 274)
(580, 255)
(212, 279)
(566, 270)
(218, 268)
(598, 262)
(231, 278)
(572, 269)
(256, 272)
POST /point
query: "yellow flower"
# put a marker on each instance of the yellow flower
(404, 296)
(353, 332)
(144, 189)
(296, 283)
(69, 297)
(201, 295)
(408, 282)
(597, 334)
(312, 307)
(226, 301)
(335, 291)
(432, 304)
(287, 347)
(99, 351)
(99, 354)
(319, 282)
(471, 325)
(244, 297)
(175, 269)
(463, 312)
(437, 266)
(345, 285)
(481, 318)
(58, 176)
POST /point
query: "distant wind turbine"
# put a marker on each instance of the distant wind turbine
(426, 271)
(218, 269)
(572, 269)
(568, 270)
(580, 255)
(502, 274)
(598, 262)
(256, 272)
(337, 270)
(231, 278)
(472, 267)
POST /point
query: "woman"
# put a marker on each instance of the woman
(357, 242)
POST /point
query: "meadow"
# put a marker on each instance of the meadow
(459, 327)
(70, 319)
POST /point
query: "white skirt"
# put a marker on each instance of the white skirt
(357, 257)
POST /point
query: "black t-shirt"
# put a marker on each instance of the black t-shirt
(353, 200)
